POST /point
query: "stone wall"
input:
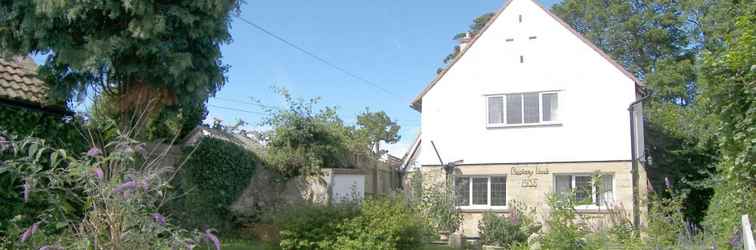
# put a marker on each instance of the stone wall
(267, 190)
(532, 183)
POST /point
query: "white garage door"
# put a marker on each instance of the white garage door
(347, 187)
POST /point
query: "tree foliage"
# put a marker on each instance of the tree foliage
(304, 139)
(728, 79)
(377, 127)
(663, 43)
(145, 53)
(478, 23)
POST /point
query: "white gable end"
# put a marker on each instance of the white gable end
(526, 50)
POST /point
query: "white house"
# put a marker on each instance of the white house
(531, 107)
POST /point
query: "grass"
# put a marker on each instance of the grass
(238, 244)
(436, 247)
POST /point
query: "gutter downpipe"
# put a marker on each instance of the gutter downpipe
(634, 160)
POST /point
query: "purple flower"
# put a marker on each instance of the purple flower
(29, 232)
(211, 237)
(98, 172)
(667, 183)
(94, 151)
(157, 217)
(129, 185)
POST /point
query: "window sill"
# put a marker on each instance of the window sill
(483, 209)
(542, 124)
(592, 209)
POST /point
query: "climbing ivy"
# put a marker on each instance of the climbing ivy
(53, 128)
(213, 177)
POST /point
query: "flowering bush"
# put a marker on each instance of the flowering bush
(120, 193)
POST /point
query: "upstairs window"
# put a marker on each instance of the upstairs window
(522, 108)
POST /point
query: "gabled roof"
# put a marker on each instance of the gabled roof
(417, 102)
(407, 159)
(19, 84)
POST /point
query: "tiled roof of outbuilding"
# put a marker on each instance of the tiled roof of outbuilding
(19, 82)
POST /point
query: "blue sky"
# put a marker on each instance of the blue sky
(395, 44)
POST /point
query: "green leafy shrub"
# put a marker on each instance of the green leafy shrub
(376, 223)
(312, 226)
(438, 205)
(501, 231)
(304, 139)
(214, 175)
(383, 223)
(563, 231)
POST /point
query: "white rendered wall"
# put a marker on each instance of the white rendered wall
(593, 98)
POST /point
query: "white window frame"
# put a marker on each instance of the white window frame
(488, 205)
(540, 122)
(593, 189)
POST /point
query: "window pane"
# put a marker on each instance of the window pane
(495, 110)
(480, 191)
(563, 184)
(583, 189)
(514, 109)
(498, 191)
(462, 191)
(604, 190)
(532, 112)
(550, 106)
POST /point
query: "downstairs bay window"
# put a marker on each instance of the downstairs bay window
(480, 192)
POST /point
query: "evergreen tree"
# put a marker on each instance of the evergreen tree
(145, 54)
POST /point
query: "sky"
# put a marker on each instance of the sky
(395, 45)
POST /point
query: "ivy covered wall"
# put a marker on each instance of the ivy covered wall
(213, 177)
(23, 122)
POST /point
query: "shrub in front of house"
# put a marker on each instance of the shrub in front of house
(383, 223)
(376, 223)
(311, 226)
(563, 230)
(501, 231)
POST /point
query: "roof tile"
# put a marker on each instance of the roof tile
(19, 82)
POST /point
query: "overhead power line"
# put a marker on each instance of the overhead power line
(237, 109)
(260, 105)
(318, 58)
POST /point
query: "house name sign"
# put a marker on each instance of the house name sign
(530, 178)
